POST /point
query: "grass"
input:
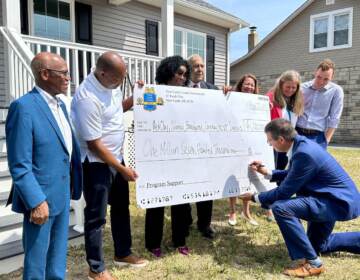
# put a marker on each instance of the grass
(240, 252)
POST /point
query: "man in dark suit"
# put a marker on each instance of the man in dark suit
(204, 208)
(45, 165)
(325, 193)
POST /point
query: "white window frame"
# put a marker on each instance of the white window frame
(330, 38)
(184, 32)
(72, 17)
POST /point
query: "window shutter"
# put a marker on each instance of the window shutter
(83, 23)
(24, 17)
(152, 36)
(210, 59)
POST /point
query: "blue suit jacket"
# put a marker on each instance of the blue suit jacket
(314, 172)
(38, 159)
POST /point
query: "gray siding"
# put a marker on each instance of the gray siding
(289, 49)
(2, 65)
(123, 27)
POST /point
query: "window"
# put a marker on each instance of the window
(188, 42)
(51, 19)
(331, 30)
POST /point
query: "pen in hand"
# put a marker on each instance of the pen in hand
(258, 165)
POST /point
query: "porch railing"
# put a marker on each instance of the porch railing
(81, 58)
(19, 75)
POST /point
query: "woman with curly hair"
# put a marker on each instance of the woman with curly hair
(172, 71)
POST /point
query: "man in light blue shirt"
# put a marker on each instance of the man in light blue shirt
(323, 101)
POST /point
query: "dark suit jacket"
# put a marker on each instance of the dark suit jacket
(313, 172)
(207, 85)
(38, 159)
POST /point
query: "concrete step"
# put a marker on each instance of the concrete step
(2, 128)
(2, 144)
(5, 185)
(3, 113)
(8, 217)
(13, 233)
(3, 162)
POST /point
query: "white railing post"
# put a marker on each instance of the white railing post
(76, 67)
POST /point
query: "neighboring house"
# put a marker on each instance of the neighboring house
(317, 30)
(142, 31)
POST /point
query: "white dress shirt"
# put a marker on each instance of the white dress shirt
(97, 113)
(269, 176)
(54, 104)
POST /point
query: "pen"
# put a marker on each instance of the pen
(257, 165)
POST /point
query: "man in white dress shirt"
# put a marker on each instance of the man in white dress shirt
(97, 114)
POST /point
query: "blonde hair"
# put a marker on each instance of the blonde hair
(296, 101)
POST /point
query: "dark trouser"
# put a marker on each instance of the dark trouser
(204, 212)
(154, 223)
(319, 237)
(316, 137)
(100, 189)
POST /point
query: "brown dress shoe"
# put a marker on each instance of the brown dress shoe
(105, 275)
(131, 260)
(304, 270)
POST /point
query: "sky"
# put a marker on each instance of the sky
(266, 15)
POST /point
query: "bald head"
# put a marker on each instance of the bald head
(110, 69)
(197, 68)
(45, 60)
(110, 62)
(50, 72)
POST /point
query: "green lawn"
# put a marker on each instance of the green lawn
(241, 252)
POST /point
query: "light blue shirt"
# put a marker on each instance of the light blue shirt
(323, 107)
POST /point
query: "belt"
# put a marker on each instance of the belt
(307, 131)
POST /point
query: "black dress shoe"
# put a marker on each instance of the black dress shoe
(208, 232)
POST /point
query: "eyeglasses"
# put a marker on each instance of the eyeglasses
(63, 73)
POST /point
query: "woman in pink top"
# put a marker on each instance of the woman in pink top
(286, 101)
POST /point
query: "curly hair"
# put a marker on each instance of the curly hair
(168, 68)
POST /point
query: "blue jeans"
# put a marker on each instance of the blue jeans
(319, 237)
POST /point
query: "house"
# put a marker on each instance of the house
(142, 31)
(317, 30)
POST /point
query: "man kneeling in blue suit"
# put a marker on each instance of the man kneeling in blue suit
(325, 193)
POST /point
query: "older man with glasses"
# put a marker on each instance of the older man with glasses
(45, 165)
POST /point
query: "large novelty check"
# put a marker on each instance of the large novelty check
(196, 144)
